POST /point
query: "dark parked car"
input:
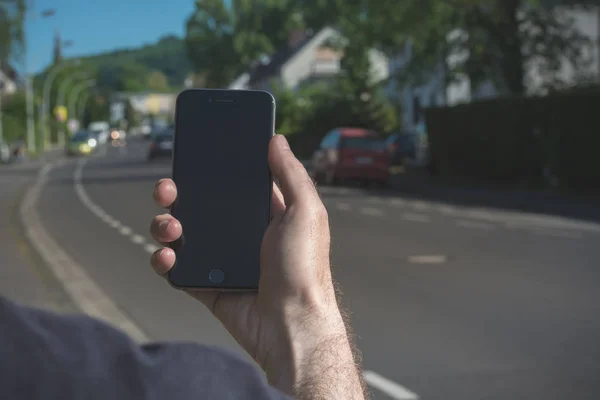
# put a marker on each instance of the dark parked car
(402, 146)
(351, 154)
(161, 145)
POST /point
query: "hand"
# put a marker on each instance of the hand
(294, 318)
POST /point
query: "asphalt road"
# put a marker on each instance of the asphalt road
(449, 302)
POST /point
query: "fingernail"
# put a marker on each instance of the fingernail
(164, 225)
(284, 143)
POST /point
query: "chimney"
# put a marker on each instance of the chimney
(296, 36)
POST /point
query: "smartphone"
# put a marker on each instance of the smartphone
(224, 184)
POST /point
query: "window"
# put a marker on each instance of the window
(81, 135)
(330, 140)
(363, 143)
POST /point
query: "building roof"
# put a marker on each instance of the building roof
(10, 72)
(278, 60)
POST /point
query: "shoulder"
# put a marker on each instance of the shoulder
(72, 357)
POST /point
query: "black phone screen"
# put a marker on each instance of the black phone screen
(224, 186)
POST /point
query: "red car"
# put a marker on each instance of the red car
(351, 154)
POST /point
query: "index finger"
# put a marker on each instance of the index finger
(296, 184)
(165, 193)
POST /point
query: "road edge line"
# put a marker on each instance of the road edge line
(81, 288)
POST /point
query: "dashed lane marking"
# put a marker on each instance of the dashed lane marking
(428, 259)
(150, 248)
(391, 388)
(138, 239)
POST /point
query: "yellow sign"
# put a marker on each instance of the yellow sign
(153, 104)
(61, 113)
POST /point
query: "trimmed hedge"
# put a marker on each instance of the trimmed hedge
(515, 140)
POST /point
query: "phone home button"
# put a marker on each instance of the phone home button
(216, 276)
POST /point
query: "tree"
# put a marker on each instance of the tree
(157, 81)
(12, 19)
(209, 40)
(131, 116)
(496, 39)
(224, 38)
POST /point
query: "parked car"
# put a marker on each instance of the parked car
(83, 142)
(402, 146)
(351, 154)
(161, 145)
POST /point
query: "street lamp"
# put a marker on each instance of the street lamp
(46, 95)
(62, 89)
(81, 86)
(31, 145)
(60, 99)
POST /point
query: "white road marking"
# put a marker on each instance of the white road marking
(392, 389)
(82, 289)
(428, 259)
(389, 387)
(151, 248)
(414, 217)
(374, 212)
(465, 223)
(125, 230)
(343, 206)
(138, 239)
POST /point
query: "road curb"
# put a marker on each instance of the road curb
(80, 287)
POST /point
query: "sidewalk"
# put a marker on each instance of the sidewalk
(423, 186)
(23, 276)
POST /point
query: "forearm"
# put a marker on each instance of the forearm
(331, 372)
(321, 362)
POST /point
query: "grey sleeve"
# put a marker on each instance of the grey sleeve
(48, 356)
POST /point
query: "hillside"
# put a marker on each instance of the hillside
(129, 69)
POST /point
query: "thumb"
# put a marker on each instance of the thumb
(296, 185)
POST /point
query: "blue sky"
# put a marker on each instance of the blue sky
(100, 25)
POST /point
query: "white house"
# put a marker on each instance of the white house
(8, 80)
(309, 57)
(433, 91)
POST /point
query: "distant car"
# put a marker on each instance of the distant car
(117, 137)
(83, 142)
(402, 146)
(351, 154)
(161, 145)
(101, 130)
